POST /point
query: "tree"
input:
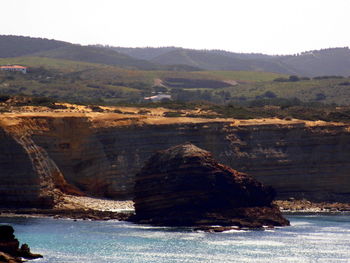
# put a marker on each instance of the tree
(269, 94)
(294, 78)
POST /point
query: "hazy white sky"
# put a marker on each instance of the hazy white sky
(266, 26)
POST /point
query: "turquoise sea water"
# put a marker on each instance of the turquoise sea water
(309, 239)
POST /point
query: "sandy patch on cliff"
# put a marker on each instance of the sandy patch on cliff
(111, 116)
(83, 202)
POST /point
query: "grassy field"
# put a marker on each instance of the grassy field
(325, 90)
(49, 63)
(89, 82)
(243, 76)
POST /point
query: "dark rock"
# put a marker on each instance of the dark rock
(185, 186)
(8, 243)
(9, 247)
(24, 252)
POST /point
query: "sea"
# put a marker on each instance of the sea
(308, 239)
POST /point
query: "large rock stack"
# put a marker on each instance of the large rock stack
(185, 186)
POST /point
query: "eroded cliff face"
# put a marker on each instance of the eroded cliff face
(28, 177)
(100, 154)
(298, 160)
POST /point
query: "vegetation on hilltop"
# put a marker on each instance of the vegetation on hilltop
(101, 75)
(334, 61)
(96, 55)
(148, 53)
(15, 46)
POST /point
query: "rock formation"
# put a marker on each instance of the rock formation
(185, 186)
(9, 247)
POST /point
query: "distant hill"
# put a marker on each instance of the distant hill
(333, 61)
(96, 55)
(212, 60)
(147, 53)
(16, 46)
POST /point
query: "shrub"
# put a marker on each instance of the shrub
(293, 78)
(328, 77)
(281, 80)
(42, 101)
(143, 112)
(320, 96)
(96, 108)
(57, 107)
(4, 98)
(172, 114)
(269, 94)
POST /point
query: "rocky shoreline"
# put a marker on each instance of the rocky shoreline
(86, 208)
(76, 214)
(78, 207)
(293, 206)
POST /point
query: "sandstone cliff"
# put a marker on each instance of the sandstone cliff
(27, 174)
(101, 153)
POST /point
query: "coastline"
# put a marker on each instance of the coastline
(305, 207)
(75, 214)
(78, 208)
(92, 208)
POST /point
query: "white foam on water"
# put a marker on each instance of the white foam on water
(243, 242)
(300, 223)
(320, 238)
(234, 231)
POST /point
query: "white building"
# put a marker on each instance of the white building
(158, 97)
(14, 68)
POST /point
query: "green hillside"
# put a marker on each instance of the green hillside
(81, 81)
(96, 55)
(332, 61)
(77, 81)
(212, 60)
(332, 90)
(15, 46)
(233, 84)
(148, 53)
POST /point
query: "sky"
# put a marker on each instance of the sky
(249, 26)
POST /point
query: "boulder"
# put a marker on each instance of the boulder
(185, 186)
(9, 247)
